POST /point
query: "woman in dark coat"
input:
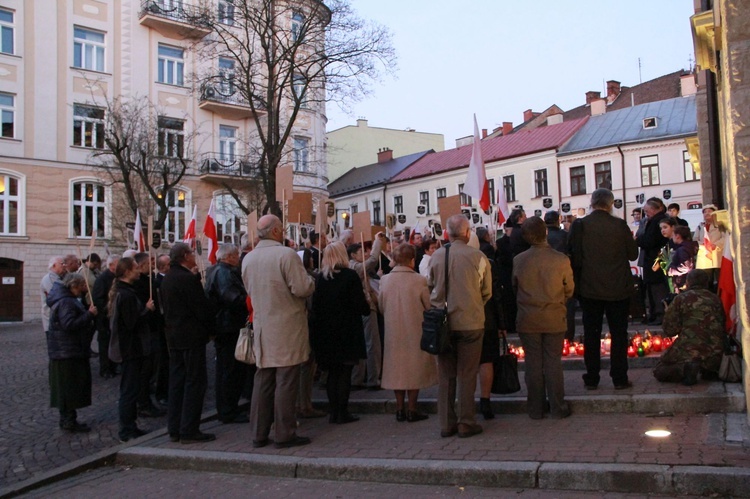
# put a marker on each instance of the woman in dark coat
(70, 330)
(337, 336)
(683, 260)
(129, 324)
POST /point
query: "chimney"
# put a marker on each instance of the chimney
(687, 85)
(507, 127)
(554, 119)
(591, 96)
(361, 122)
(599, 106)
(385, 154)
(528, 115)
(613, 90)
(484, 133)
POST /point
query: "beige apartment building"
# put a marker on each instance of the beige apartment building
(60, 63)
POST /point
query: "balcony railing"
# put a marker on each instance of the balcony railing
(175, 18)
(217, 165)
(224, 99)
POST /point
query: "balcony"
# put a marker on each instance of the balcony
(220, 168)
(225, 100)
(175, 19)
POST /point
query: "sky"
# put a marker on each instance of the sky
(498, 58)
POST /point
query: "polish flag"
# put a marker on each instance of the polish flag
(727, 291)
(138, 232)
(502, 207)
(476, 184)
(209, 230)
(189, 237)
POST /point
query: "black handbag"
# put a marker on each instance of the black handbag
(505, 372)
(435, 328)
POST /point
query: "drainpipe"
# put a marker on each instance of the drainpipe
(559, 186)
(714, 141)
(624, 189)
(385, 209)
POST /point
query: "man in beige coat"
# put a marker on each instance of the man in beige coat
(469, 288)
(277, 284)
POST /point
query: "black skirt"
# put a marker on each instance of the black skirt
(70, 383)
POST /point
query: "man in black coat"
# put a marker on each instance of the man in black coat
(226, 291)
(100, 294)
(188, 319)
(651, 242)
(601, 247)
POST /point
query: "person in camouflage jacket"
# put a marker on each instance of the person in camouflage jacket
(697, 316)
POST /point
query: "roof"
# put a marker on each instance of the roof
(495, 149)
(364, 177)
(661, 88)
(674, 117)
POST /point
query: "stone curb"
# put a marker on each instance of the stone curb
(628, 478)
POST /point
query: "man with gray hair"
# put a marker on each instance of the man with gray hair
(469, 288)
(225, 290)
(277, 284)
(601, 246)
(55, 272)
(100, 294)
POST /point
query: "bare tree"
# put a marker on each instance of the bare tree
(289, 56)
(144, 153)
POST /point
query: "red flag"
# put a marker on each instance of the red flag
(727, 291)
(476, 184)
(209, 230)
(138, 232)
(502, 207)
(189, 237)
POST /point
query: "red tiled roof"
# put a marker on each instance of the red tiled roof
(517, 144)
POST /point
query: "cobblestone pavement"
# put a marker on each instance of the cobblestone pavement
(145, 483)
(30, 440)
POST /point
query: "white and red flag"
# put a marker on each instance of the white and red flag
(209, 230)
(140, 243)
(726, 290)
(476, 184)
(189, 237)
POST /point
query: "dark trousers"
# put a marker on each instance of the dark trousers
(187, 388)
(274, 399)
(570, 319)
(161, 390)
(656, 292)
(617, 319)
(129, 392)
(338, 389)
(106, 366)
(144, 382)
(230, 376)
(544, 373)
(457, 377)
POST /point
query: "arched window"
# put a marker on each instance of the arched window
(89, 208)
(177, 218)
(11, 204)
(229, 219)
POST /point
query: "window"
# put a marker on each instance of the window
(226, 12)
(6, 32)
(88, 126)
(424, 199)
(398, 204)
(465, 199)
(649, 123)
(301, 152)
(603, 172)
(298, 22)
(171, 137)
(509, 187)
(171, 65)
(7, 115)
(298, 86)
(227, 144)
(226, 75)
(440, 193)
(88, 49)
(89, 207)
(175, 223)
(10, 205)
(577, 180)
(491, 188)
(229, 219)
(376, 212)
(690, 174)
(354, 209)
(540, 182)
(649, 170)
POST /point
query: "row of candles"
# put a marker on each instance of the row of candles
(639, 346)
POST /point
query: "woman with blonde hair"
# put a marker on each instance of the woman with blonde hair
(406, 368)
(337, 335)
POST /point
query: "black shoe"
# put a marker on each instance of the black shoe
(347, 418)
(401, 416)
(257, 444)
(132, 435)
(485, 407)
(295, 442)
(197, 438)
(151, 412)
(467, 431)
(690, 373)
(238, 419)
(356, 388)
(414, 416)
(374, 388)
(448, 433)
(624, 386)
(76, 427)
(174, 437)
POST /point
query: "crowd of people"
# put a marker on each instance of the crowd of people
(349, 316)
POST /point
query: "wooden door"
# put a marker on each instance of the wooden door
(11, 290)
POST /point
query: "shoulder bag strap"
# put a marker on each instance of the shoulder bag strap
(447, 273)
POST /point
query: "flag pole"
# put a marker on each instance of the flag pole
(150, 242)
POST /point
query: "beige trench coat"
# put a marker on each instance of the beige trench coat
(278, 285)
(403, 297)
